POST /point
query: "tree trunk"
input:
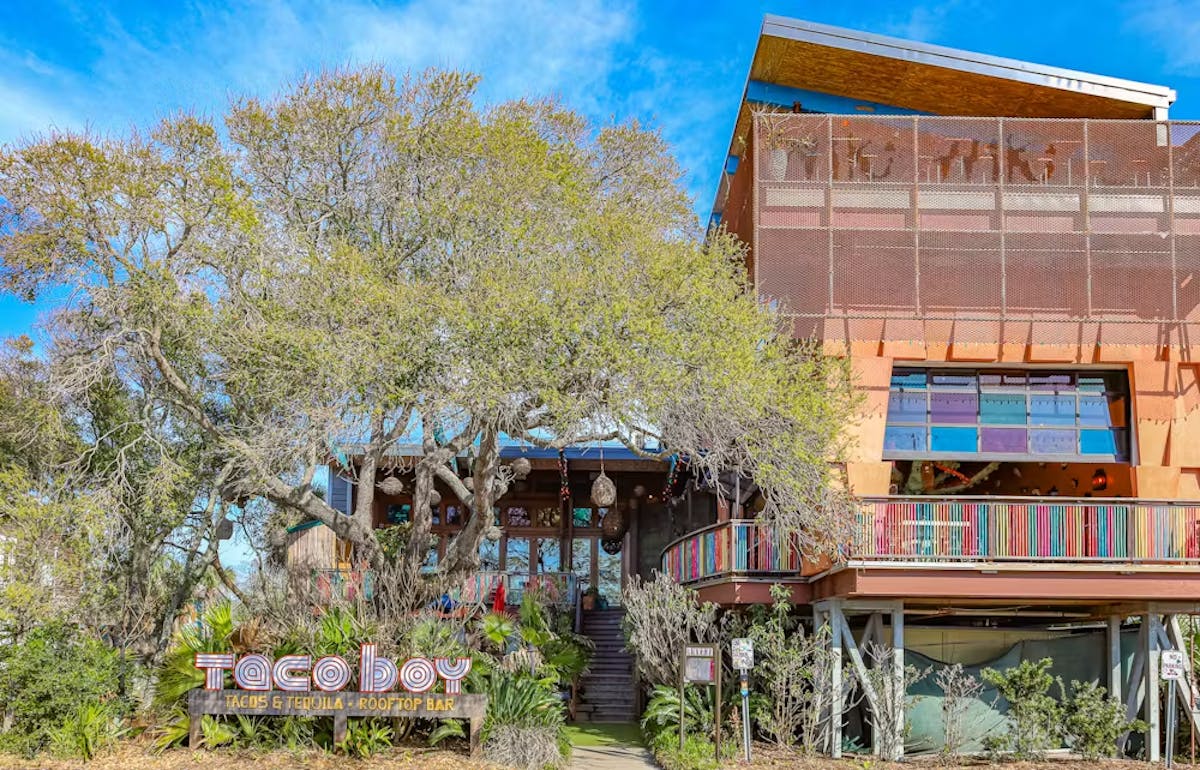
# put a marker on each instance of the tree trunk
(463, 553)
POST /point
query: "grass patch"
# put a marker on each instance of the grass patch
(604, 735)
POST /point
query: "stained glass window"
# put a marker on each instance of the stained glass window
(1007, 414)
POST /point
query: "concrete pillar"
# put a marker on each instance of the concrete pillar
(1114, 657)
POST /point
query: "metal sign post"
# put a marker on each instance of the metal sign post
(1172, 670)
(743, 661)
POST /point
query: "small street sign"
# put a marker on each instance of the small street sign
(1172, 665)
(743, 654)
(699, 664)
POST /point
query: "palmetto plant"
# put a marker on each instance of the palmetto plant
(178, 673)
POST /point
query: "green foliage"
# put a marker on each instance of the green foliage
(46, 676)
(1095, 721)
(178, 673)
(661, 618)
(366, 737)
(216, 732)
(498, 628)
(662, 712)
(525, 724)
(1034, 717)
(94, 727)
(697, 752)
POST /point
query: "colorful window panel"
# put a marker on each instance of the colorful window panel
(1005, 414)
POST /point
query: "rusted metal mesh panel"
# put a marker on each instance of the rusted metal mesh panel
(1042, 153)
(1131, 276)
(872, 150)
(957, 151)
(961, 272)
(794, 269)
(875, 272)
(1050, 228)
(1130, 154)
(1046, 275)
(794, 148)
(1187, 276)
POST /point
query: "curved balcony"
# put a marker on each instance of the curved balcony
(928, 531)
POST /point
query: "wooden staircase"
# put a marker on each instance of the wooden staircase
(607, 693)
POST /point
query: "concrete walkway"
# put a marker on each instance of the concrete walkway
(614, 757)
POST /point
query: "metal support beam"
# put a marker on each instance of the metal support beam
(860, 670)
(837, 700)
(898, 674)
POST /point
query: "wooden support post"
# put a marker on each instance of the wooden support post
(1151, 710)
(475, 736)
(873, 630)
(339, 729)
(898, 676)
(1114, 656)
(194, 717)
(1134, 684)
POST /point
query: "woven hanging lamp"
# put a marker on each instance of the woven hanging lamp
(604, 491)
(391, 486)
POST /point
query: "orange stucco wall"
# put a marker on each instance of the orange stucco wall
(1164, 383)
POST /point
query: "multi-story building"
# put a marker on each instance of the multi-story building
(1009, 254)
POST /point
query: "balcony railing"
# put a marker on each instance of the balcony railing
(729, 548)
(962, 530)
(1016, 529)
(559, 588)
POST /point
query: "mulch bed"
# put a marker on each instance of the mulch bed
(132, 756)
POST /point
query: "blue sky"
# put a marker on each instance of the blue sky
(678, 65)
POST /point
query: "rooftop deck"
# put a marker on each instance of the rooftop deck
(972, 219)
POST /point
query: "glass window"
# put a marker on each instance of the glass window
(1045, 409)
(489, 554)
(1004, 414)
(904, 438)
(608, 576)
(431, 558)
(953, 439)
(517, 516)
(549, 555)
(906, 407)
(1003, 440)
(953, 407)
(1002, 408)
(517, 556)
(581, 558)
(1043, 441)
(583, 517)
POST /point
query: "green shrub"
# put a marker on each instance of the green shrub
(1034, 717)
(46, 676)
(525, 722)
(365, 737)
(697, 752)
(94, 727)
(662, 712)
(1095, 721)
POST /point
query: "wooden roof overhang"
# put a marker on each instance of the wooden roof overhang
(881, 74)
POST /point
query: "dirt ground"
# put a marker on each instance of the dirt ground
(765, 756)
(135, 757)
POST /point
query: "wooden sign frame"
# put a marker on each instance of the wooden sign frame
(340, 706)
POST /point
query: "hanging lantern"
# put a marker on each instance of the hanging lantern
(520, 467)
(1100, 480)
(614, 524)
(391, 486)
(435, 497)
(604, 491)
(469, 483)
(611, 546)
(493, 533)
(224, 529)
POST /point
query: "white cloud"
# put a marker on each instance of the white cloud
(195, 56)
(1174, 26)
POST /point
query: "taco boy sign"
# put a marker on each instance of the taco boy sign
(295, 685)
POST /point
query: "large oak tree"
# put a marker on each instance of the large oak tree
(360, 260)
